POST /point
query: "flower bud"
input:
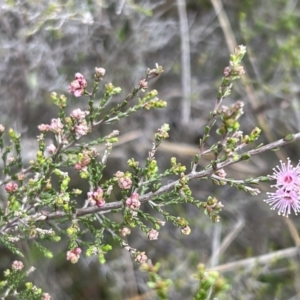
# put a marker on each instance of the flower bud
(186, 230)
(100, 72)
(51, 149)
(143, 84)
(125, 231)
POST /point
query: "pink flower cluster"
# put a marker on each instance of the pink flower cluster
(56, 126)
(77, 86)
(124, 181)
(46, 296)
(287, 196)
(11, 187)
(80, 125)
(83, 162)
(78, 114)
(81, 128)
(17, 265)
(125, 231)
(96, 197)
(141, 258)
(74, 255)
(133, 201)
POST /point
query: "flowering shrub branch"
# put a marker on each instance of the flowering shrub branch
(35, 206)
(191, 176)
(14, 278)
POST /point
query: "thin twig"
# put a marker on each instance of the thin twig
(217, 230)
(263, 259)
(227, 241)
(294, 233)
(185, 62)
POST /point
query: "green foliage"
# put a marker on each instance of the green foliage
(281, 30)
(156, 283)
(211, 284)
(13, 284)
(5, 240)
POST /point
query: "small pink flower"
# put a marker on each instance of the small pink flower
(141, 258)
(11, 159)
(77, 86)
(79, 77)
(96, 197)
(286, 175)
(44, 127)
(46, 296)
(125, 183)
(133, 202)
(2, 128)
(125, 231)
(119, 174)
(78, 114)
(221, 173)
(77, 250)
(21, 176)
(74, 255)
(85, 161)
(226, 71)
(143, 84)
(17, 265)
(100, 203)
(153, 234)
(85, 158)
(78, 166)
(186, 230)
(81, 129)
(56, 125)
(240, 70)
(11, 187)
(286, 198)
(51, 149)
(124, 180)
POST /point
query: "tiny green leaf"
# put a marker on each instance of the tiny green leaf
(288, 137)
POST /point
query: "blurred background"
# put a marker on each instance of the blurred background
(42, 45)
